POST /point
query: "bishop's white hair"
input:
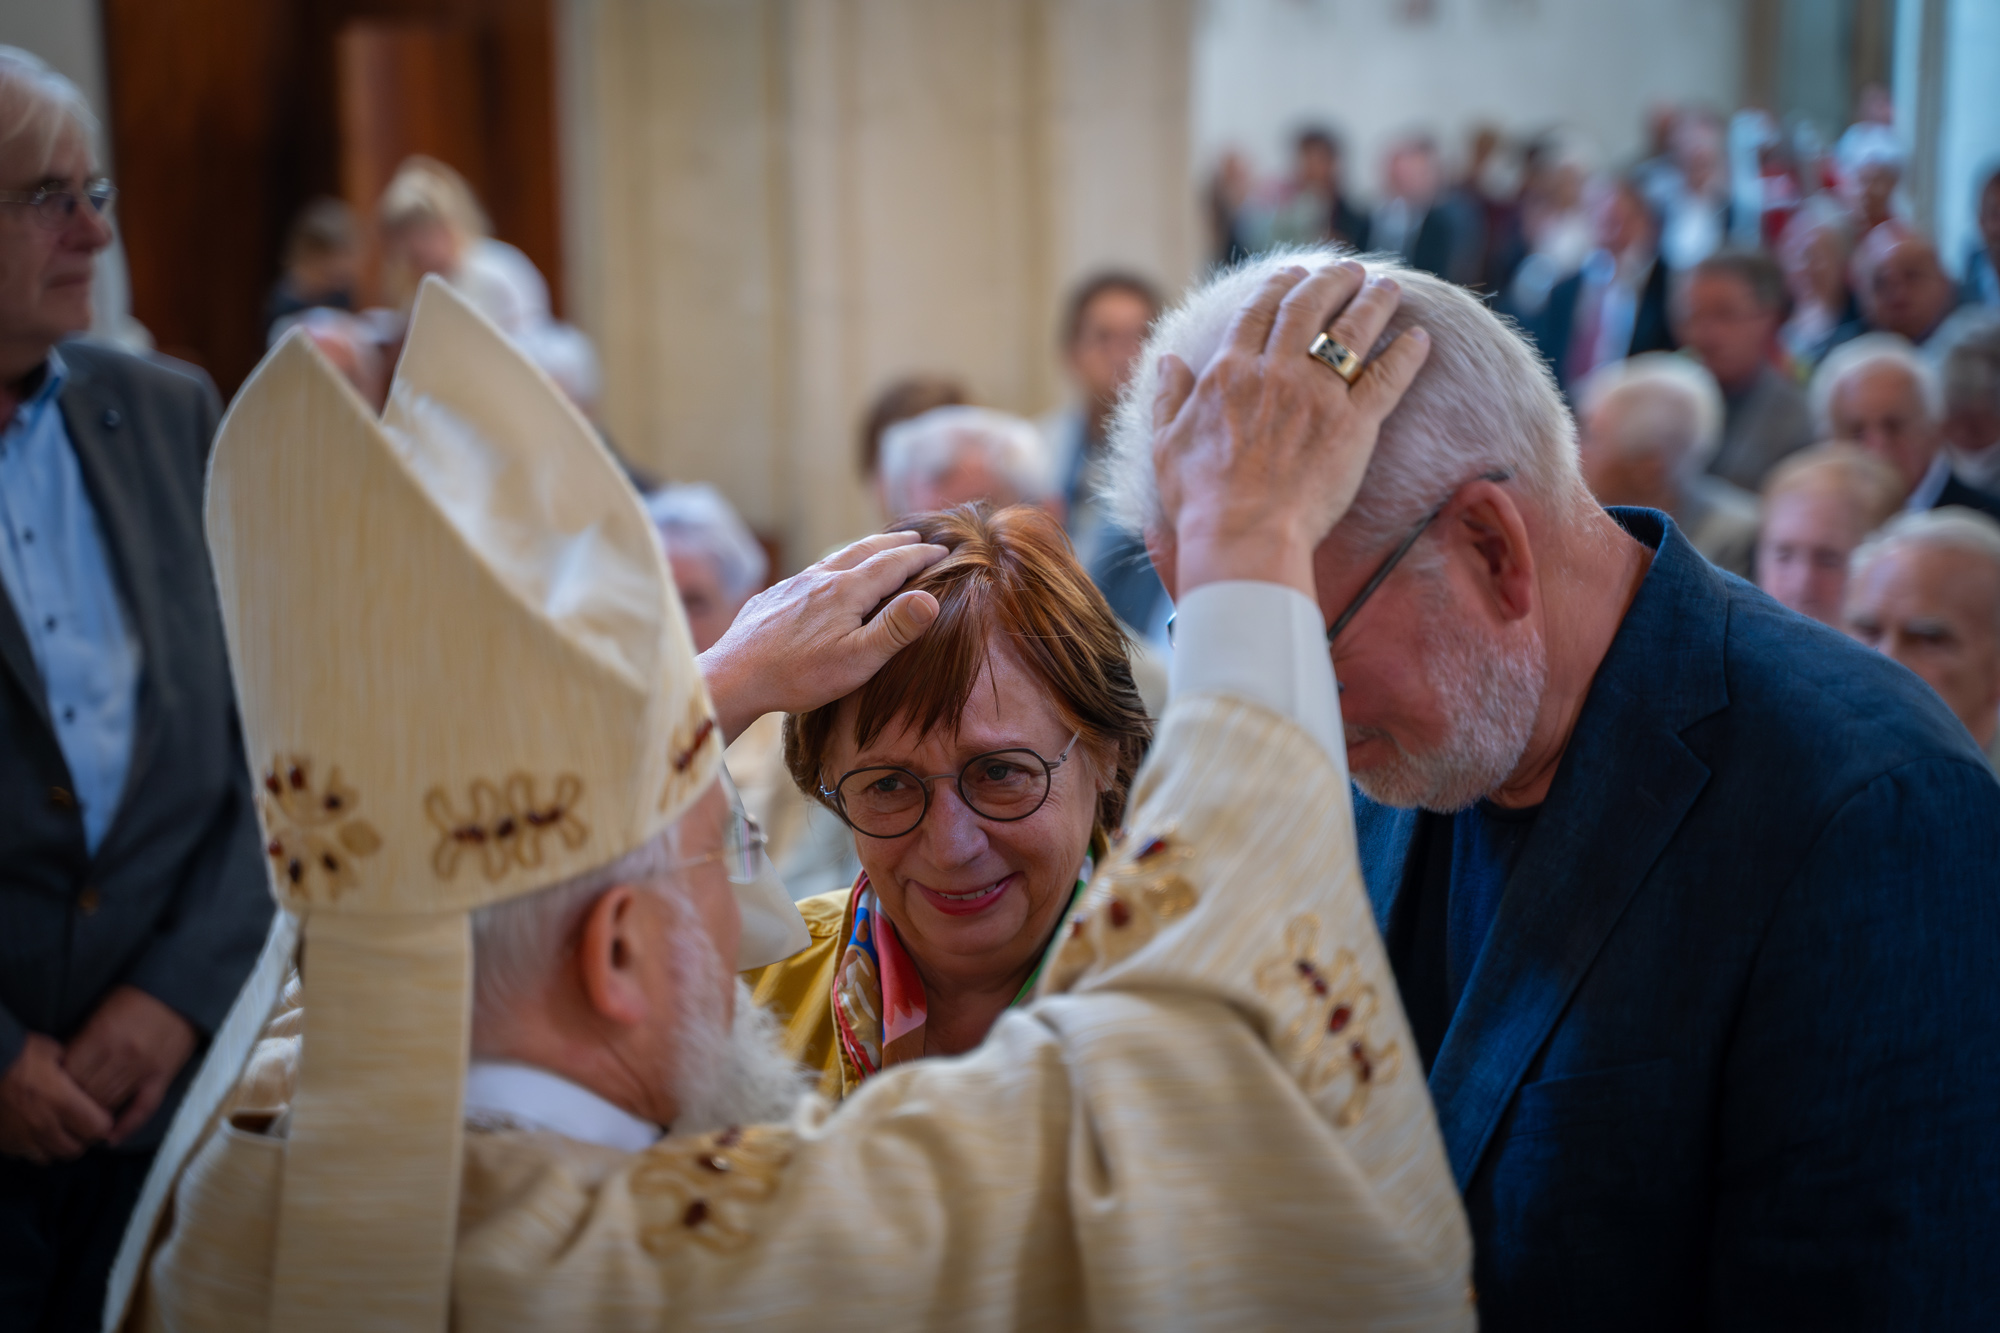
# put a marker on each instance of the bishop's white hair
(39, 105)
(1483, 401)
(1865, 353)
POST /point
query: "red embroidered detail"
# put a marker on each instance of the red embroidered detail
(701, 735)
(1120, 914)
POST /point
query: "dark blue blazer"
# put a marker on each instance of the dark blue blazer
(1730, 1057)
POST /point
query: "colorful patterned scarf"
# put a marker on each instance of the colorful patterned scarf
(878, 998)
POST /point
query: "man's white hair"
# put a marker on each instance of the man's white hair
(1667, 405)
(925, 448)
(1951, 528)
(1865, 353)
(696, 519)
(1483, 401)
(517, 945)
(39, 106)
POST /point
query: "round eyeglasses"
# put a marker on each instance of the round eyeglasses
(1001, 785)
(54, 205)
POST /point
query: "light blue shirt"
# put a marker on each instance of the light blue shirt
(58, 575)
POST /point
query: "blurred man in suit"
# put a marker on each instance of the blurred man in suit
(1690, 901)
(1727, 314)
(1877, 392)
(1646, 429)
(1910, 293)
(1615, 306)
(132, 898)
(1819, 505)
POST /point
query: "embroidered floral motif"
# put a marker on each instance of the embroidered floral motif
(1327, 1012)
(707, 1188)
(1138, 894)
(506, 825)
(695, 732)
(314, 834)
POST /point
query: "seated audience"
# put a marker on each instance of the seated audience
(322, 265)
(1615, 306)
(1693, 197)
(1313, 205)
(1910, 293)
(1819, 506)
(899, 400)
(1814, 252)
(1926, 591)
(132, 881)
(716, 559)
(1727, 314)
(1982, 265)
(1103, 329)
(432, 223)
(1969, 366)
(1418, 222)
(959, 455)
(1646, 429)
(1877, 392)
(981, 772)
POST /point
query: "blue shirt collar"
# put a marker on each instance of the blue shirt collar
(52, 383)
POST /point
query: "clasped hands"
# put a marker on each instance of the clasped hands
(57, 1101)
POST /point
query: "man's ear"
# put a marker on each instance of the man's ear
(607, 957)
(1489, 529)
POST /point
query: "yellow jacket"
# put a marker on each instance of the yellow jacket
(799, 993)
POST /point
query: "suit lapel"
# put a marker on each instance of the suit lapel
(19, 659)
(96, 424)
(1625, 784)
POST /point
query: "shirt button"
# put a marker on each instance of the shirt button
(89, 901)
(111, 418)
(28, 536)
(69, 715)
(49, 623)
(62, 798)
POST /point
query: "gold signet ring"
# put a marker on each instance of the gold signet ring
(1341, 359)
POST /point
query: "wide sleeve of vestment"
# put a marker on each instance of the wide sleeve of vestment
(1211, 1117)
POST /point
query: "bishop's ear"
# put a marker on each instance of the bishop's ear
(610, 954)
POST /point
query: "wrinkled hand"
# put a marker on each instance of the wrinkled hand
(1260, 457)
(127, 1055)
(810, 640)
(44, 1116)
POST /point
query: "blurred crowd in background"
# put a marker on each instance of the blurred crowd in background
(1753, 334)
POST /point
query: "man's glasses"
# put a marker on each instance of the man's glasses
(54, 205)
(1383, 570)
(1001, 785)
(744, 852)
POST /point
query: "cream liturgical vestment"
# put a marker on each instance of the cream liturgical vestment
(1212, 1116)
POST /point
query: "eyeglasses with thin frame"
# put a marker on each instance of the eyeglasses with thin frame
(744, 853)
(1395, 557)
(1005, 786)
(54, 205)
(1383, 570)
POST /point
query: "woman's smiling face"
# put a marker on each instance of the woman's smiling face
(975, 899)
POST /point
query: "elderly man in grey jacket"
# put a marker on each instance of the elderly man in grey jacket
(131, 882)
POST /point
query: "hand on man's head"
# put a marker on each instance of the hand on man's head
(812, 639)
(44, 1116)
(1262, 454)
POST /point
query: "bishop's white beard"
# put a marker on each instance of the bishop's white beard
(733, 1075)
(1490, 693)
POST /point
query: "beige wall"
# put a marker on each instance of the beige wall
(777, 206)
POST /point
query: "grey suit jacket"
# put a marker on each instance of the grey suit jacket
(174, 901)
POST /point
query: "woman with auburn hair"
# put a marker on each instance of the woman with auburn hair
(981, 771)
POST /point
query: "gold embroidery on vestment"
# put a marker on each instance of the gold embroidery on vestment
(1332, 1010)
(707, 1188)
(314, 834)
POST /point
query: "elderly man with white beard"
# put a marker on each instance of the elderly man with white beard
(1690, 901)
(496, 819)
